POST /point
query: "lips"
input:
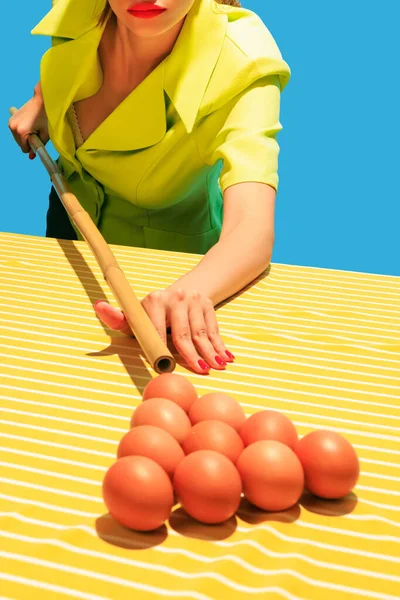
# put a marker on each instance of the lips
(142, 7)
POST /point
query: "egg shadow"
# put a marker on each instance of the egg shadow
(252, 515)
(329, 508)
(111, 532)
(183, 524)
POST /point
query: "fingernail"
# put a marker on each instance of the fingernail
(220, 362)
(203, 365)
(229, 355)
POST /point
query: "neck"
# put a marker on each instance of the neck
(133, 52)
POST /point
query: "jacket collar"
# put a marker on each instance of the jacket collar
(71, 70)
(70, 19)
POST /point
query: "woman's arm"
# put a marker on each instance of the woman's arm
(243, 136)
(37, 91)
(245, 246)
(242, 253)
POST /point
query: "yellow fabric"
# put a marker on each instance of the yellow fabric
(207, 117)
(321, 346)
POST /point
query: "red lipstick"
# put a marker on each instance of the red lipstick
(146, 10)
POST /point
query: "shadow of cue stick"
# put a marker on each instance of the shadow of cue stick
(152, 345)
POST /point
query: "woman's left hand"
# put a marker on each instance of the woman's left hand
(193, 323)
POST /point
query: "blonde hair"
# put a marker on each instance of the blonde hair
(107, 10)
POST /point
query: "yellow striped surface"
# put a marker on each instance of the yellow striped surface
(321, 346)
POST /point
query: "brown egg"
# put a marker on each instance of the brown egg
(155, 443)
(138, 493)
(217, 407)
(330, 464)
(214, 435)
(269, 425)
(272, 475)
(208, 486)
(163, 413)
(174, 387)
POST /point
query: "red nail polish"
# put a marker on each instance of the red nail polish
(229, 355)
(220, 362)
(204, 365)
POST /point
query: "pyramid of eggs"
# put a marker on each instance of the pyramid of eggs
(203, 453)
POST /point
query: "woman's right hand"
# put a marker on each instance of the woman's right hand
(30, 118)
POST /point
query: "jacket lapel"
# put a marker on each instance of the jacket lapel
(138, 122)
(68, 72)
(70, 18)
(71, 71)
(190, 65)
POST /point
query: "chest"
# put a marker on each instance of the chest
(92, 111)
(116, 87)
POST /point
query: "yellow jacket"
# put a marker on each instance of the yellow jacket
(154, 172)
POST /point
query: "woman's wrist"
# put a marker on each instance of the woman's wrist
(190, 283)
(228, 267)
(37, 93)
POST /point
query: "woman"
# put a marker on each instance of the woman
(166, 125)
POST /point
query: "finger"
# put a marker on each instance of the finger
(43, 135)
(25, 146)
(17, 138)
(200, 334)
(21, 136)
(182, 335)
(112, 317)
(213, 333)
(154, 306)
(12, 124)
(21, 141)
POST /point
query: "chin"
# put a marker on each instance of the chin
(146, 30)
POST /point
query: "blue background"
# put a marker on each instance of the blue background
(339, 201)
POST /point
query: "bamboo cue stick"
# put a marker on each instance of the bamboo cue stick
(152, 345)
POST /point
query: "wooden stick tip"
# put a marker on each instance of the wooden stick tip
(165, 364)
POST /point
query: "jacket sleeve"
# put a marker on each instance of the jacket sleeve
(243, 135)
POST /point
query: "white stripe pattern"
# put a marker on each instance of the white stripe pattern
(319, 345)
